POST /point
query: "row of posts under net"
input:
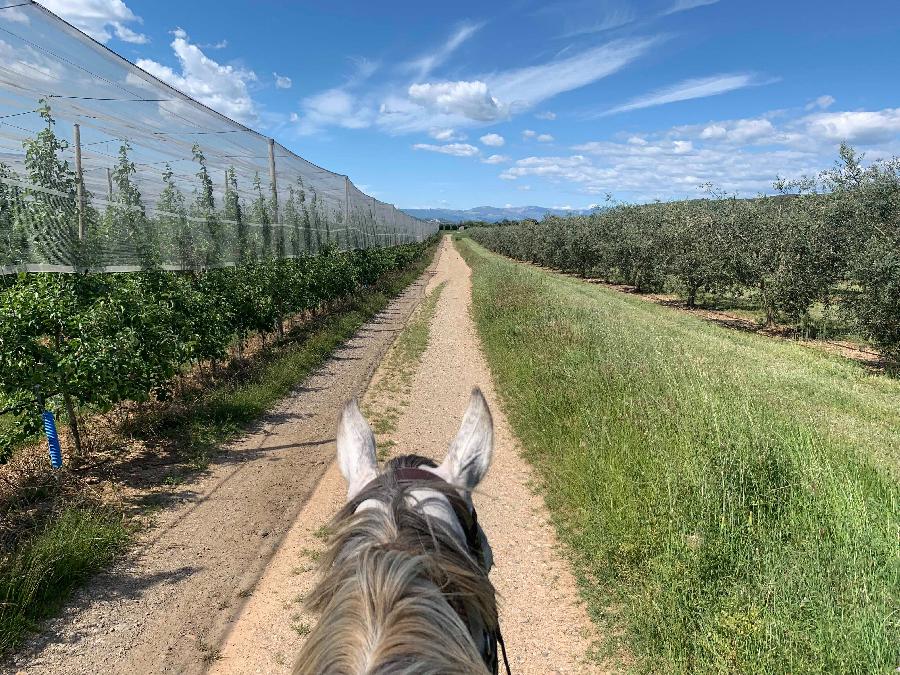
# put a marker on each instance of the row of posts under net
(103, 167)
(73, 228)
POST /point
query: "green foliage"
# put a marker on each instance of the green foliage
(70, 542)
(49, 224)
(174, 230)
(126, 218)
(43, 224)
(730, 500)
(816, 240)
(13, 238)
(105, 338)
(259, 213)
(234, 212)
(204, 208)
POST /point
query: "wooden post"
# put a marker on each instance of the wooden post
(79, 174)
(109, 182)
(347, 203)
(274, 181)
(374, 223)
(393, 225)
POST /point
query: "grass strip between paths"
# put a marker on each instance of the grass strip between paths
(730, 501)
(389, 394)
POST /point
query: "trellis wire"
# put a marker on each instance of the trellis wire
(100, 102)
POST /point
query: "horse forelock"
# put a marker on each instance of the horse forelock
(398, 591)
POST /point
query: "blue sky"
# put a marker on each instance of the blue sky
(556, 104)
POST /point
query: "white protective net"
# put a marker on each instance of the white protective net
(167, 182)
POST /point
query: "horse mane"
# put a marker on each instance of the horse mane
(398, 593)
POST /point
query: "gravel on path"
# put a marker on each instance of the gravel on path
(545, 626)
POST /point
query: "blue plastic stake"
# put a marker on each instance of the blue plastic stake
(52, 440)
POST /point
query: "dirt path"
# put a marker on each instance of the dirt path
(167, 606)
(546, 628)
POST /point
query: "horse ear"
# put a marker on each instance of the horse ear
(470, 452)
(355, 449)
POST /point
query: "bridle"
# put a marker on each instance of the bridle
(468, 520)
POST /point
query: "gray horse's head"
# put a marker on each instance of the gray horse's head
(404, 583)
(465, 465)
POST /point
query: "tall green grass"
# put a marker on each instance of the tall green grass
(731, 501)
(38, 577)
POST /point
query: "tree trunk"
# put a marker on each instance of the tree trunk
(73, 423)
(70, 407)
(692, 297)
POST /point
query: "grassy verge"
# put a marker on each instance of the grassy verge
(70, 537)
(39, 575)
(731, 502)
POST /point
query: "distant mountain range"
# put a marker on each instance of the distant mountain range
(491, 214)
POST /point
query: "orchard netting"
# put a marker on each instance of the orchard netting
(103, 167)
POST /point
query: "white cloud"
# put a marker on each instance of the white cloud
(863, 127)
(615, 18)
(101, 19)
(16, 15)
(342, 106)
(545, 138)
(496, 159)
(31, 67)
(740, 131)
(423, 65)
(294, 117)
(684, 5)
(821, 103)
(714, 132)
(660, 170)
(363, 69)
(471, 100)
(337, 107)
(221, 44)
(423, 106)
(529, 133)
(568, 168)
(493, 140)
(741, 156)
(446, 135)
(455, 149)
(282, 81)
(548, 115)
(526, 87)
(223, 88)
(700, 87)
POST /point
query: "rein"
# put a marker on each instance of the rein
(468, 520)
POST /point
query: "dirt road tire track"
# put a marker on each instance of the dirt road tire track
(546, 628)
(166, 606)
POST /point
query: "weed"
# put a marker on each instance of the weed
(38, 577)
(301, 627)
